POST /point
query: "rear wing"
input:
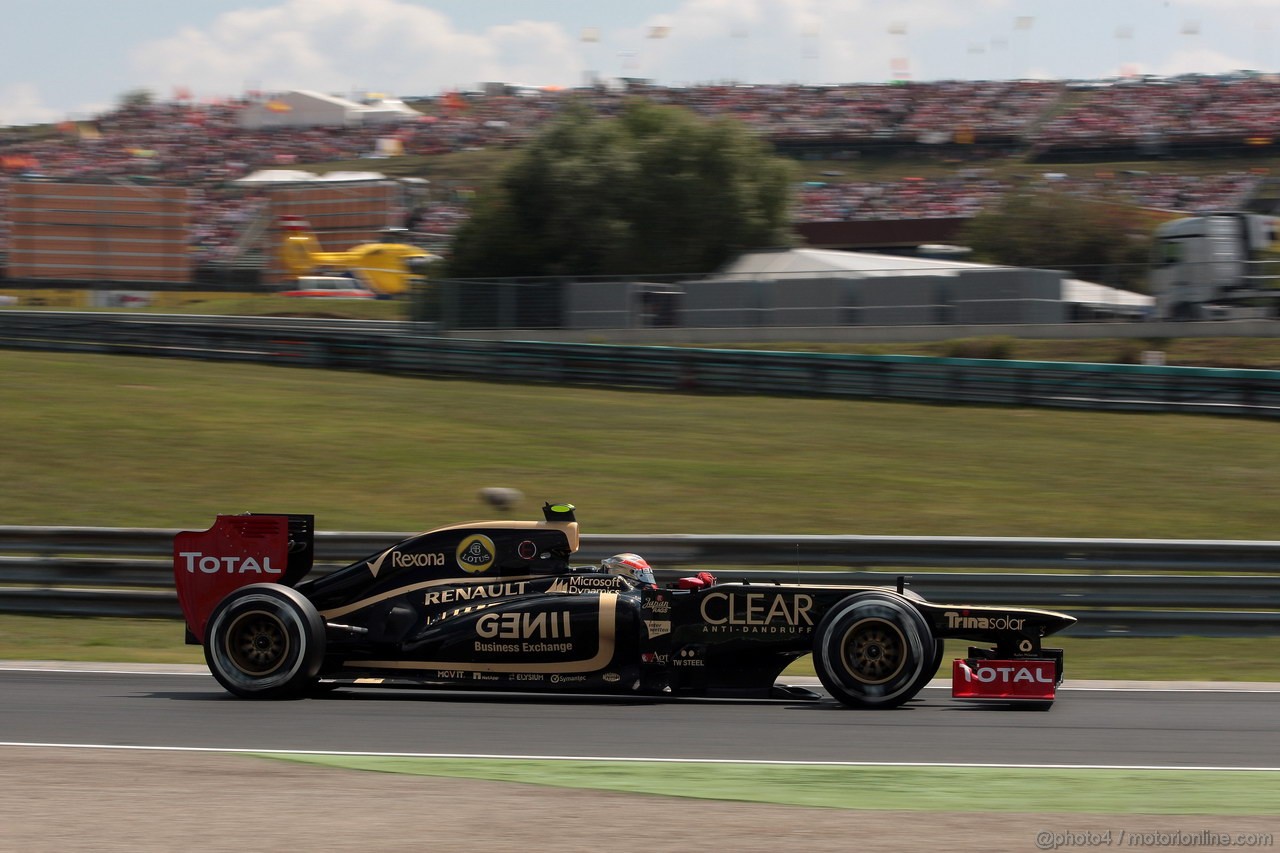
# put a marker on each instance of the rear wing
(236, 551)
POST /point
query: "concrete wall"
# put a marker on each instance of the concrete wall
(942, 305)
(621, 304)
(765, 302)
(1007, 296)
(724, 303)
(899, 300)
(979, 296)
(804, 301)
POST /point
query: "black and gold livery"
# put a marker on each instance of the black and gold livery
(498, 605)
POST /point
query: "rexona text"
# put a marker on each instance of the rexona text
(401, 560)
(229, 565)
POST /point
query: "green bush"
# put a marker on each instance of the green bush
(998, 347)
(1130, 352)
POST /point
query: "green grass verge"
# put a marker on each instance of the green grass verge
(1238, 353)
(1169, 792)
(1149, 658)
(284, 306)
(1137, 659)
(95, 640)
(244, 305)
(125, 441)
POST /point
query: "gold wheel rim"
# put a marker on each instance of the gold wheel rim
(257, 643)
(873, 650)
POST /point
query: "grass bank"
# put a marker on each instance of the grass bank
(1237, 353)
(135, 442)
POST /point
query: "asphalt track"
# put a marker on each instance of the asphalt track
(1130, 727)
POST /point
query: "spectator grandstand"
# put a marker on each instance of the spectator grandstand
(202, 146)
(1185, 115)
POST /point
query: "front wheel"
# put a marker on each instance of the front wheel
(930, 671)
(265, 641)
(874, 650)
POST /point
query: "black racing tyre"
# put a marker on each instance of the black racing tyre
(931, 671)
(265, 641)
(939, 649)
(874, 650)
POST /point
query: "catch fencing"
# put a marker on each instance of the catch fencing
(411, 349)
(1115, 587)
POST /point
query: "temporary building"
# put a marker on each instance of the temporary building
(388, 111)
(830, 287)
(277, 176)
(304, 108)
(296, 176)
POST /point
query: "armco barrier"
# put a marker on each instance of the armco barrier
(1116, 587)
(409, 349)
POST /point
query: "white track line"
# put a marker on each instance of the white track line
(104, 668)
(633, 760)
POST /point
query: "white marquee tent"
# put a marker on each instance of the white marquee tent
(826, 263)
(304, 108)
(296, 176)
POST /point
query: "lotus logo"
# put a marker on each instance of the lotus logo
(475, 554)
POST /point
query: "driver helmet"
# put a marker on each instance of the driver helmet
(629, 565)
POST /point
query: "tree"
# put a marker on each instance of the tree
(654, 190)
(137, 98)
(1100, 242)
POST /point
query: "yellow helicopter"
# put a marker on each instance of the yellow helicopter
(385, 267)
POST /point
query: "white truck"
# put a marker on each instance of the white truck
(1219, 266)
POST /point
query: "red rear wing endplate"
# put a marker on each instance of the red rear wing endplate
(238, 550)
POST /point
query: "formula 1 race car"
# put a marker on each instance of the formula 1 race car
(496, 605)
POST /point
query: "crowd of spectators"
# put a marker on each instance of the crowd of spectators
(1188, 111)
(903, 112)
(964, 195)
(1191, 194)
(909, 198)
(204, 147)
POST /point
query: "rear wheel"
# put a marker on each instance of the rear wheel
(265, 641)
(874, 650)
